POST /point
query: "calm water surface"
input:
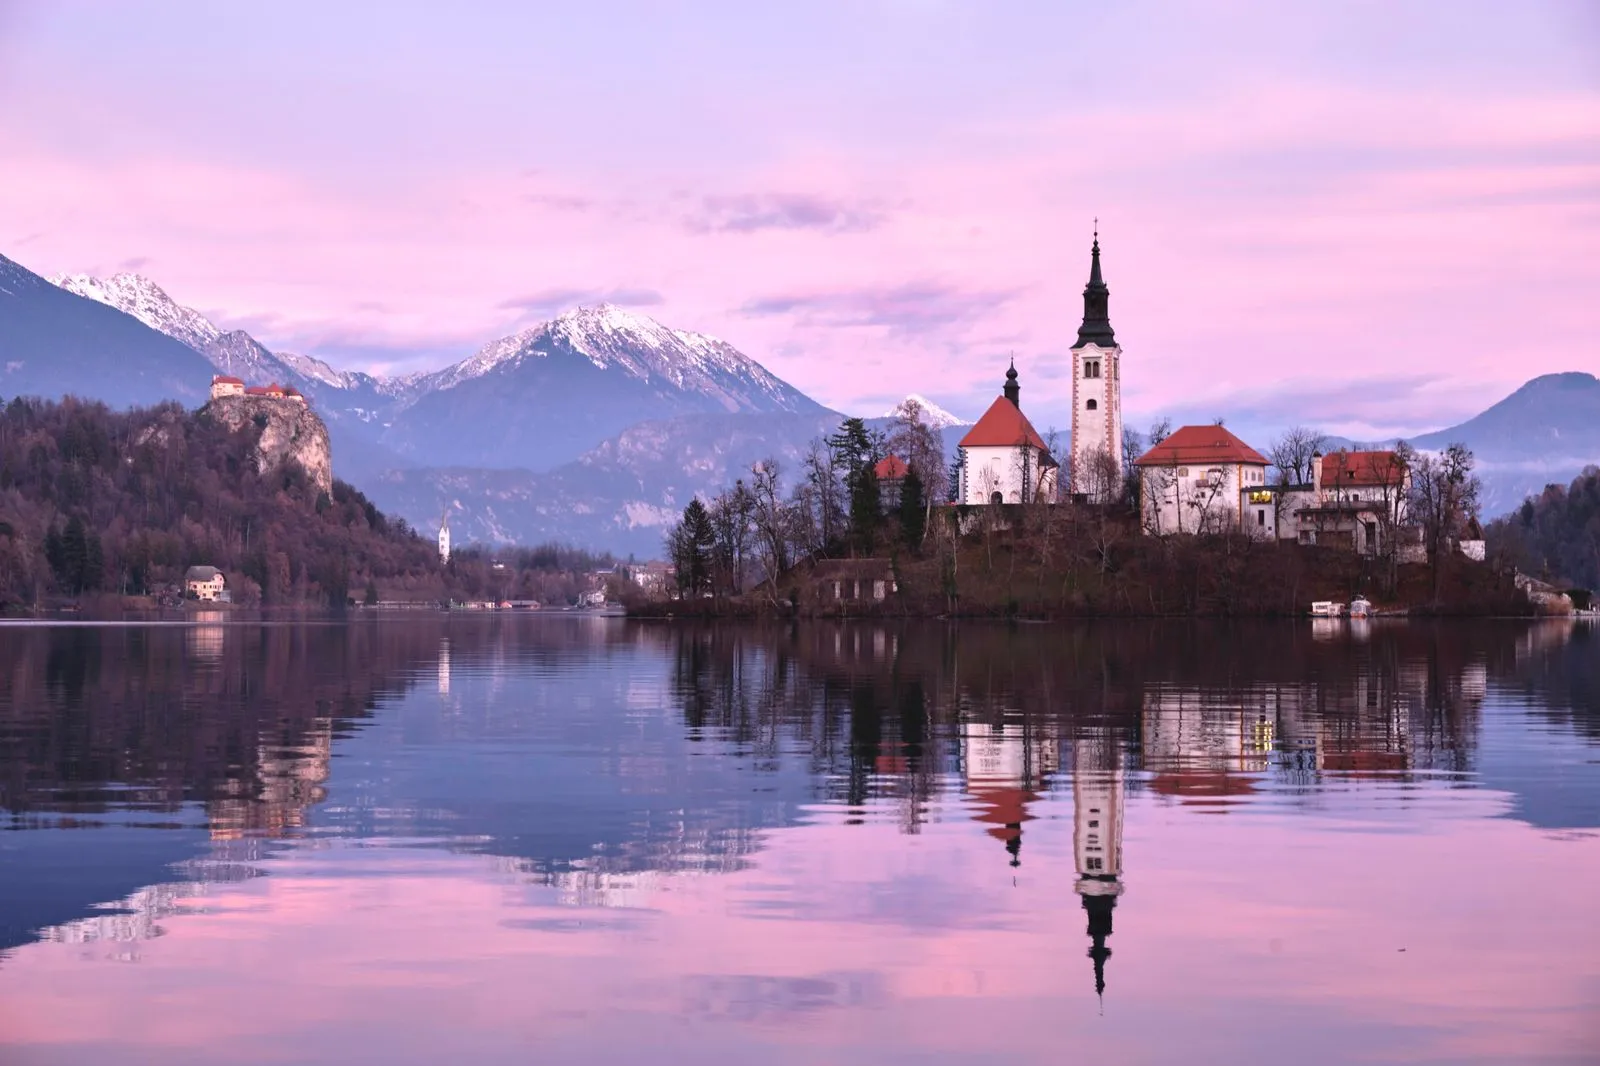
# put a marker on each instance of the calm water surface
(586, 840)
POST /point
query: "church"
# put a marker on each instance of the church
(1004, 459)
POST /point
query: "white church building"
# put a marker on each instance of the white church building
(1003, 458)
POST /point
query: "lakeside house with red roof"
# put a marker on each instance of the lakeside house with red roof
(1003, 458)
(1196, 480)
(1357, 501)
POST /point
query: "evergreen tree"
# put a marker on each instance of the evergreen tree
(858, 450)
(913, 510)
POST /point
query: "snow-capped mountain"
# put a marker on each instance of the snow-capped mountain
(543, 396)
(611, 337)
(230, 351)
(54, 342)
(933, 415)
(535, 399)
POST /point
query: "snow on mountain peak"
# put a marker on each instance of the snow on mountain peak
(137, 295)
(612, 337)
(934, 416)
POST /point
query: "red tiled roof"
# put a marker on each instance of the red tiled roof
(1342, 469)
(1003, 425)
(224, 379)
(1200, 446)
(890, 468)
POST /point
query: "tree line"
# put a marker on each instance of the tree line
(835, 508)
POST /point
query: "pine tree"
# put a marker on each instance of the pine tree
(913, 510)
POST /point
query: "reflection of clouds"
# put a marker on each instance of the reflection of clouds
(765, 998)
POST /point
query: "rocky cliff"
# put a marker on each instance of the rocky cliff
(290, 431)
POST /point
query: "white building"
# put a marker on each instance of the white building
(1003, 458)
(1358, 502)
(205, 583)
(444, 539)
(1096, 454)
(1198, 480)
(224, 385)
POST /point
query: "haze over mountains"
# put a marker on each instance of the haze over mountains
(596, 427)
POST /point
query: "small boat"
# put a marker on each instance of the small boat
(1326, 609)
(1360, 607)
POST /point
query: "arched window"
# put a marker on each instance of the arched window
(996, 499)
(1092, 405)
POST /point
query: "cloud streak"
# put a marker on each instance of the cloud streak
(777, 211)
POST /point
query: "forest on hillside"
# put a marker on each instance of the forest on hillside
(100, 501)
(1555, 535)
(97, 502)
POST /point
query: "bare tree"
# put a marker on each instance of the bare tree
(1444, 498)
(912, 439)
(772, 518)
(1293, 453)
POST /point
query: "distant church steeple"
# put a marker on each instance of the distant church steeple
(1096, 393)
(1012, 390)
(1096, 327)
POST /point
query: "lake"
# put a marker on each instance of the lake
(558, 839)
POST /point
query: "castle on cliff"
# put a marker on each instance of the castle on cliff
(223, 385)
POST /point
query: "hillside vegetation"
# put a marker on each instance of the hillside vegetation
(95, 500)
(1555, 535)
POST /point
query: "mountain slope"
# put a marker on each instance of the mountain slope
(619, 496)
(543, 396)
(54, 342)
(1545, 432)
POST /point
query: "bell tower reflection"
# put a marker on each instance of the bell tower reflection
(1098, 792)
(1004, 767)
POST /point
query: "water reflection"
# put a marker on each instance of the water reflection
(153, 776)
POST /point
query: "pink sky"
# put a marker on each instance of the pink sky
(1377, 220)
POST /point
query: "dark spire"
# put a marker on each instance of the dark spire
(1096, 328)
(1013, 390)
(1099, 909)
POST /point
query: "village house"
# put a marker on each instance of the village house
(842, 583)
(1003, 458)
(1197, 481)
(891, 473)
(1357, 501)
(654, 577)
(205, 583)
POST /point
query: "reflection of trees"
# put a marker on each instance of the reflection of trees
(1204, 710)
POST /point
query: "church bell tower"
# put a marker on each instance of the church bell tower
(1096, 393)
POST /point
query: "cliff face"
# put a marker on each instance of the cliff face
(289, 431)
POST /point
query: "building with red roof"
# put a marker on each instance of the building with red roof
(1197, 480)
(1357, 501)
(891, 473)
(224, 385)
(1003, 458)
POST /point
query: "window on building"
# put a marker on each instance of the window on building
(1183, 471)
(1091, 369)
(1261, 517)
(1094, 823)
(996, 499)
(1091, 405)
(1094, 862)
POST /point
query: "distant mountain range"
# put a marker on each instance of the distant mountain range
(596, 427)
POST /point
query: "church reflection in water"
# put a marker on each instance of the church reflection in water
(236, 732)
